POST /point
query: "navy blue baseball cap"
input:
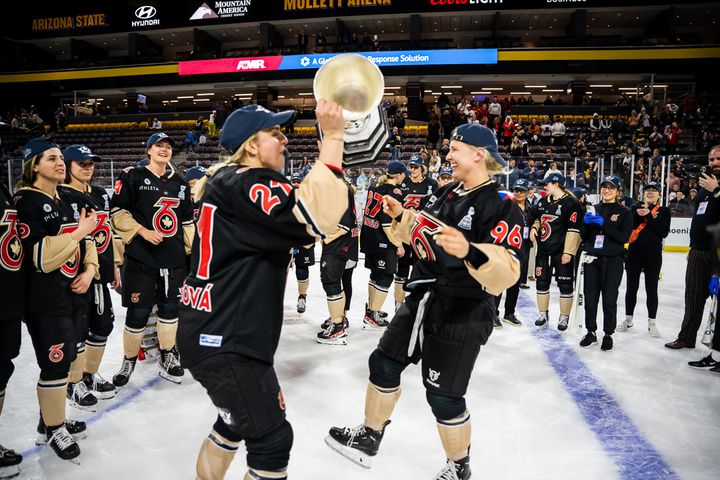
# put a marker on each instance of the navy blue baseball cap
(578, 192)
(78, 153)
(396, 166)
(445, 171)
(521, 184)
(612, 180)
(555, 177)
(142, 163)
(296, 175)
(415, 160)
(36, 146)
(159, 137)
(195, 173)
(246, 121)
(479, 136)
(653, 185)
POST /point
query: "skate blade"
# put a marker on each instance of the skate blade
(9, 472)
(89, 408)
(337, 341)
(170, 378)
(351, 454)
(104, 395)
(75, 460)
(367, 326)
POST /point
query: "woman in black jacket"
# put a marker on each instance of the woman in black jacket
(605, 233)
(651, 224)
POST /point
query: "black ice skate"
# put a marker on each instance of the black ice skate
(301, 303)
(9, 463)
(542, 320)
(563, 322)
(76, 428)
(80, 397)
(373, 321)
(121, 378)
(100, 387)
(63, 444)
(459, 470)
(359, 444)
(333, 334)
(170, 368)
(326, 323)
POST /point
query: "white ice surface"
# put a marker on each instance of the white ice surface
(526, 425)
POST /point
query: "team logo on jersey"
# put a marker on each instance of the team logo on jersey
(102, 233)
(11, 251)
(412, 200)
(165, 220)
(433, 375)
(538, 271)
(466, 221)
(421, 236)
(614, 218)
(72, 266)
(558, 212)
(381, 264)
(545, 226)
(76, 214)
(47, 208)
(117, 187)
(135, 297)
(146, 181)
(226, 416)
(431, 200)
(107, 201)
(56, 354)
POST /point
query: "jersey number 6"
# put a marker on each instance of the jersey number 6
(503, 232)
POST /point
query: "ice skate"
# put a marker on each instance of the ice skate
(121, 378)
(301, 303)
(80, 397)
(358, 444)
(170, 368)
(101, 388)
(563, 322)
(9, 463)
(333, 334)
(63, 444)
(372, 321)
(542, 320)
(76, 428)
(459, 470)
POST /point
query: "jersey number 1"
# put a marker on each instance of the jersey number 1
(205, 225)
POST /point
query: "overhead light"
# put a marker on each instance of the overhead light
(520, 93)
(448, 93)
(493, 88)
(450, 86)
(588, 93)
(600, 86)
(549, 90)
(535, 86)
(281, 96)
(305, 93)
(389, 94)
(480, 93)
(633, 89)
(393, 88)
(101, 99)
(428, 91)
(436, 93)
(201, 100)
(243, 94)
(174, 101)
(654, 86)
(205, 94)
(179, 98)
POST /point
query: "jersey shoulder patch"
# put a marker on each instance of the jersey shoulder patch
(506, 196)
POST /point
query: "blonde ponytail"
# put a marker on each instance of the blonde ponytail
(238, 158)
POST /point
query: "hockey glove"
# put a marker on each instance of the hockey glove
(714, 285)
(593, 219)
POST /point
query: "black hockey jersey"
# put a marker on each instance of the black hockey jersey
(414, 192)
(376, 223)
(250, 218)
(163, 204)
(485, 215)
(344, 241)
(96, 199)
(53, 259)
(614, 233)
(11, 259)
(556, 220)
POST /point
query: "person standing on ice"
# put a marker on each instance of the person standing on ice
(467, 238)
(232, 301)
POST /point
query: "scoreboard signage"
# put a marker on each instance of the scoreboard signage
(313, 62)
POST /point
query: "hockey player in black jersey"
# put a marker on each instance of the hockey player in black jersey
(556, 232)
(60, 262)
(380, 246)
(151, 210)
(303, 259)
(337, 262)
(416, 186)
(467, 239)
(97, 302)
(11, 298)
(232, 300)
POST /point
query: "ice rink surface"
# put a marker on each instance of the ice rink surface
(541, 406)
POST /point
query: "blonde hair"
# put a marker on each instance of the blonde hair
(29, 176)
(492, 165)
(238, 158)
(388, 176)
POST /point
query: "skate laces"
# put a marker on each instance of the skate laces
(448, 473)
(354, 432)
(62, 438)
(126, 368)
(170, 360)
(81, 391)
(6, 451)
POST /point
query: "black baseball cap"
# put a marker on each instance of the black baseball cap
(159, 137)
(612, 180)
(246, 121)
(653, 185)
(36, 146)
(479, 136)
(195, 173)
(78, 153)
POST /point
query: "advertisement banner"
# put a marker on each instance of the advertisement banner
(679, 237)
(405, 58)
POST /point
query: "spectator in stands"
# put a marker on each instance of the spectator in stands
(531, 172)
(546, 130)
(376, 43)
(516, 148)
(673, 138)
(691, 184)
(189, 141)
(433, 132)
(320, 43)
(444, 148)
(595, 123)
(366, 41)
(552, 169)
(211, 124)
(362, 181)
(399, 122)
(508, 128)
(533, 132)
(672, 180)
(481, 111)
(494, 110)
(520, 132)
(548, 101)
(558, 132)
(706, 143)
(692, 196)
(446, 120)
(655, 138)
(678, 204)
(156, 124)
(580, 147)
(497, 127)
(644, 121)
(198, 127)
(513, 173)
(395, 143)
(302, 41)
(605, 126)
